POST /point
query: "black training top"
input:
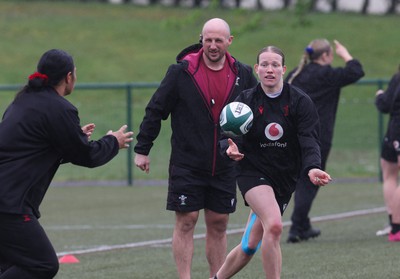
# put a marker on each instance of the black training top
(283, 140)
(40, 130)
(323, 84)
(389, 102)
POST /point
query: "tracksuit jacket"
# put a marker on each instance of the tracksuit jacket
(323, 83)
(389, 102)
(195, 135)
(284, 138)
(38, 132)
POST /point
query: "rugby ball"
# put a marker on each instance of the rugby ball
(236, 119)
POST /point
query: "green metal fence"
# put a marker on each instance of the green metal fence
(135, 88)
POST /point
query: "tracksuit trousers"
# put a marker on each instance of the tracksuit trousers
(25, 250)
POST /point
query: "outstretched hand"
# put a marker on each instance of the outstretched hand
(124, 138)
(319, 177)
(233, 151)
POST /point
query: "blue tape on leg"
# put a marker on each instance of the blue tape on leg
(246, 236)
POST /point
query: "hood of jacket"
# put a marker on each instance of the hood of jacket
(192, 55)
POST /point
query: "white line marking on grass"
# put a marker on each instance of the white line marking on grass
(349, 214)
(120, 227)
(115, 247)
(159, 242)
(110, 227)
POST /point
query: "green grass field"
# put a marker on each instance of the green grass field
(119, 44)
(128, 43)
(85, 218)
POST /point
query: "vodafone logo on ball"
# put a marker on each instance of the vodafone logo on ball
(273, 131)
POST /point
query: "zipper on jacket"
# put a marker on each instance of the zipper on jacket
(215, 148)
(209, 107)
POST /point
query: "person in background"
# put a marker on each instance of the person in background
(323, 83)
(281, 144)
(389, 102)
(40, 130)
(194, 92)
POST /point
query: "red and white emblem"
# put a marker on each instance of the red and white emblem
(273, 131)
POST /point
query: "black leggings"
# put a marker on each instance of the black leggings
(304, 196)
(25, 249)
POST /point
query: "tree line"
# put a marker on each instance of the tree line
(309, 5)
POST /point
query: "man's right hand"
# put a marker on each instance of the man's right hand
(142, 162)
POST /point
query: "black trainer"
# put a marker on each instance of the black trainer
(305, 235)
(293, 238)
(311, 233)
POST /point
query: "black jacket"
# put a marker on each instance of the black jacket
(283, 140)
(389, 102)
(323, 84)
(195, 134)
(40, 130)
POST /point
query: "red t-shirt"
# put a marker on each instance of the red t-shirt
(217, 87)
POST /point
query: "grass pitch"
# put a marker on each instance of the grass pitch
(80, 219)
(136, 44)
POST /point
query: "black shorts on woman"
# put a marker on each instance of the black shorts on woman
(248, 181)
(391, 143)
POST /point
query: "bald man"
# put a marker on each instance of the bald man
(193, 93)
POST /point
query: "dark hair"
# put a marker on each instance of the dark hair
(55, 64)
(272, 49)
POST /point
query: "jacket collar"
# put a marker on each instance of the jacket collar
(194, 53)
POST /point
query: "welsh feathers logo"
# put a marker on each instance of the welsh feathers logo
(273, 131)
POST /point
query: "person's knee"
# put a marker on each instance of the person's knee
(216, 223)
(275, 229)
(218, 228)
(45, 270)
(185, 222)
(50, 268)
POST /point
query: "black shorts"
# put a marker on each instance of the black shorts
(191, 191)
(247, 182)
(391, 142)
(390, 150)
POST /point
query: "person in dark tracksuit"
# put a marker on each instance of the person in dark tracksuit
(323, 83)
(388, 101)
(194, 91)
(40, 130)
(281, 145)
